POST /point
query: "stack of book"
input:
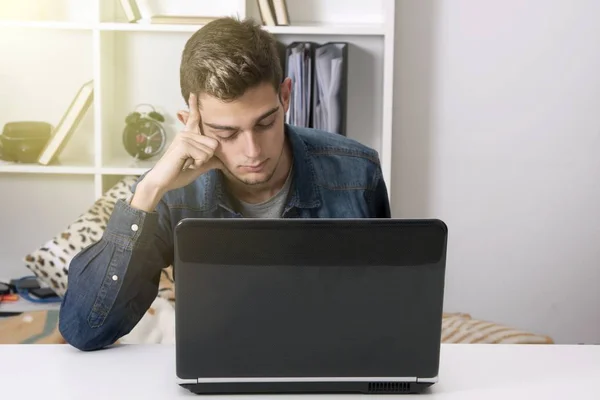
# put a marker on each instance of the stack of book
(133, 14)
(272, 12)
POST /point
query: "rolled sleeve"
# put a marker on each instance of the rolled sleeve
(131, 227)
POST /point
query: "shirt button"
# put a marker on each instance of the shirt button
(114, 277)
(134, 227)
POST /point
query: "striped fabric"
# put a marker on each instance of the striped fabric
(166, 286)
(461, 328)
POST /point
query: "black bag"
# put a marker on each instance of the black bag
(23, 141)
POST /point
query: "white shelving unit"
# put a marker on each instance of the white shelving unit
(47, 57)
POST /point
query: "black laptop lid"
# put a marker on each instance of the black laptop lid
(309, 298)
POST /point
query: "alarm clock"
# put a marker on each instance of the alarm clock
(144, 136)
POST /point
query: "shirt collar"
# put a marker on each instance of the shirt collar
(305, 191)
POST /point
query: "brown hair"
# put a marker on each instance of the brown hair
(228, 56)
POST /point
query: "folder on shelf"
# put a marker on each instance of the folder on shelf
(330, 87)
(300, 69)
(69, 122)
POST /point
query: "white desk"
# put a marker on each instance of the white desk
(148, 372)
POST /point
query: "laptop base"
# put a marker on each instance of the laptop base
(308, 387)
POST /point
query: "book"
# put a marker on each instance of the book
(132, 12)
(68, 123)
(181, 19)
(266, 12)
(281, 12)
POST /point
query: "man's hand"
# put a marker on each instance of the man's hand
(190, 155)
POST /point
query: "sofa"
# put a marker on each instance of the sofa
(50, 263)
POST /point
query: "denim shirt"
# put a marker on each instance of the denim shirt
(113, 282)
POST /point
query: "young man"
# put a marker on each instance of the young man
(235, 158)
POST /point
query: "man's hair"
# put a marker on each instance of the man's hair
(226, 57)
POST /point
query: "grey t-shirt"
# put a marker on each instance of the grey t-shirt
(272, 208)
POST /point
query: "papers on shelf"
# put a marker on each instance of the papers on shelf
(318, 75)
(300, 72)
(329, 63)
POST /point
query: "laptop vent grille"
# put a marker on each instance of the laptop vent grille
(389, 387)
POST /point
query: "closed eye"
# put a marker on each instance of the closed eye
(228, 138)
(266, 126)
(223, 132)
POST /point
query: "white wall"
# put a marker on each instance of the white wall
(497, 132)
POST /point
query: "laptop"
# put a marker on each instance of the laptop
(309, 305)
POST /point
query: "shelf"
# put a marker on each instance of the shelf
(305, 29)
(74, 168)
(329, 29)
(126, 166)
(58, 25)
(146, 27)
(308, 29)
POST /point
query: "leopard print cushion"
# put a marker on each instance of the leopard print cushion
(166, 286)
(50, 262)
(462, 328)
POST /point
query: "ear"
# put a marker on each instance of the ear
(183, 116)
(285, 91)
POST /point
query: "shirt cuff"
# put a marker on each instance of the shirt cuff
(130, 226)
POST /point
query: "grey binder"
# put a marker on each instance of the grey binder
(330, 87)
(299, 67)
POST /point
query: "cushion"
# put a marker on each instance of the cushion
(50, 262)
(462, 328)
(166, 286)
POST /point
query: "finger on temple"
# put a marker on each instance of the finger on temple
(193, 122)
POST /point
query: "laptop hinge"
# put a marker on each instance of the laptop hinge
(428, 380)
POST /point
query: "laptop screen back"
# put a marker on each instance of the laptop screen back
(309, 298)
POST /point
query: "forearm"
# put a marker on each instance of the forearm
(113, 282)
(147, 196)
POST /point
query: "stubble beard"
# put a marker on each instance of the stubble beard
(249, 182)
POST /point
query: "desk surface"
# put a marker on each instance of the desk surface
(147, 371)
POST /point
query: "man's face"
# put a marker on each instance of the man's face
(250, 131)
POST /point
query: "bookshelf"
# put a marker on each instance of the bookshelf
(50, 48)
(306, 29)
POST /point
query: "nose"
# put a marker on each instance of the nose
(252, 146)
